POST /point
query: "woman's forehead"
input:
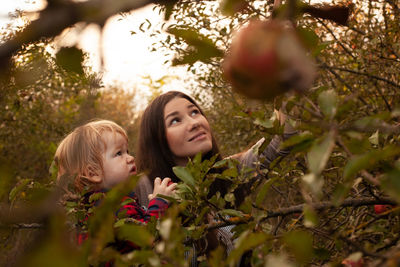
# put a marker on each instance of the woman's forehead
(176, 104)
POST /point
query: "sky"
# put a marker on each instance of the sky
(127, 59)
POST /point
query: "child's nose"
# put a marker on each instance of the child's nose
(130, 159)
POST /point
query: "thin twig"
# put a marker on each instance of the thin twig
(336, 39)
(337, 76)
(327, 204)
(362, 73)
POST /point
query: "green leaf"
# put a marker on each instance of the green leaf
(231, 212)
(183, 174)
(310, 216)
(320, 152)
(95, 197)
(71, 59)
(18, 188)
(309, 38)
(298, 142)
(184, 189)
(314, 183)
(374, 138)
(319, 48)
(230, 197)
(6, 179)
(135, 233)
(300, 243)
(169, 7)
(52, 252)
(391, 184)
(340, 193)
(53, 170)
(221, 163)
(216, 257)
(328, 102)
(231, 172)
(230, 7)
(245, 242)
(201, 48)
(368, 160)
(120, 222)
(197, 158)
(264, 190)
(166, 228)
(143, 257)
(264, 123)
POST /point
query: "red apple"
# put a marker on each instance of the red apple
(354, 260)
(266, 59)
(350, 263)
(381, 208)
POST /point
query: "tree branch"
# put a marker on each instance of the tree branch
(363, 74)
(327, 204)
(337, 76)
(299, 208)
(55, 18)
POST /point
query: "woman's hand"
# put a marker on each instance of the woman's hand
(280, 116)
(163, 187)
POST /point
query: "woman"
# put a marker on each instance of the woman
(174, 129)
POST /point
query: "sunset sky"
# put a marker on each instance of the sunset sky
(127, 57)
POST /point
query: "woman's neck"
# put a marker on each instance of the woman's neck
(181, 161)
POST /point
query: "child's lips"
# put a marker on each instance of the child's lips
(133, 170)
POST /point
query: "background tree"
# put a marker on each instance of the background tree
(44, 97)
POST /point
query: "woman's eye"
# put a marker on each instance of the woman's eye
(195, 112)
(174, 121)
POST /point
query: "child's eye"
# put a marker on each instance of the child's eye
(119, 153)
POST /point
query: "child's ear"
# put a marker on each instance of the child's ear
(93, 175)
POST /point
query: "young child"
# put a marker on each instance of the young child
(96, 155)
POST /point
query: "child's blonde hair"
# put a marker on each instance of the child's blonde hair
(79, 154)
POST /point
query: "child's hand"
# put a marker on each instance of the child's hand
(165, 187)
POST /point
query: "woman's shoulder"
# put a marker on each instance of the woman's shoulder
(143, 182)
(143, 188)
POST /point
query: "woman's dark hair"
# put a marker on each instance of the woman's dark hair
(154, 156)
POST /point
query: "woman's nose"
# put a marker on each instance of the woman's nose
(193, 123)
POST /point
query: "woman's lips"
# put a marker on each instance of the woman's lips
(198, 137)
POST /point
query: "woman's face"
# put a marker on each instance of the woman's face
(187, 130)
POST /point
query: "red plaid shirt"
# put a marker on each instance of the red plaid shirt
(132, 209)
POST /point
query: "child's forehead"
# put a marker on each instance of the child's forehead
(114, 137)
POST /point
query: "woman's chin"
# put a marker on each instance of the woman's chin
(204, 147)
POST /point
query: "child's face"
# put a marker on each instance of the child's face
(118, 165)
